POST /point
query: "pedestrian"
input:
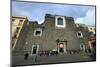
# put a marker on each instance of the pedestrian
(26, 56)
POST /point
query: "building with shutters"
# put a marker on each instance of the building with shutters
(18, 25)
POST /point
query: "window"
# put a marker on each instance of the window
(38, 32)
(13, 20)
(20, 22)
(17, 29)
(14, 36)
(90, 28)
(60, 22)
(82, 47)
(79, 34)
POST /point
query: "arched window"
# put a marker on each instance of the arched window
(60, 21)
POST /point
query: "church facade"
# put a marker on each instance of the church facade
(57, 32)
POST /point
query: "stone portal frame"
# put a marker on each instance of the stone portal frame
(64, 42)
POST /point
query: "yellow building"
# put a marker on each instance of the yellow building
(18, 25)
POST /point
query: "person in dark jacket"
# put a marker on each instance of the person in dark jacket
(26, 56)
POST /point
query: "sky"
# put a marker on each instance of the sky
(36, 11)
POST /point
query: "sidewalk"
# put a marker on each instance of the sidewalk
(33, 60)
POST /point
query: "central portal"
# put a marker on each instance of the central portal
(61, 47)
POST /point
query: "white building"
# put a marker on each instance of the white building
(92, 29)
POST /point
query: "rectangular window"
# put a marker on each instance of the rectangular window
(79, 34)
(13, 20)
(14, 36)
(60, 22)
(20, 22)
(38, 32)
(17, 29)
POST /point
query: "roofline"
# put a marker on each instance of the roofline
(22, 17)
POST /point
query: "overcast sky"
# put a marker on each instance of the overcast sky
(36, 11)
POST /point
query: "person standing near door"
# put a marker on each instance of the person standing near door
(26, 56)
